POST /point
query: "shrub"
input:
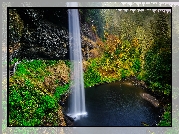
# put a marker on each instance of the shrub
(27, 106)
(31, 103)
(166, 117)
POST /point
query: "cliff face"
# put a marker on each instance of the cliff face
(44, 35)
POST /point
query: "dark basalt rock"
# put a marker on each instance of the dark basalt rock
(61, 103)
(45, 35)
(48, 42)
(69, 120)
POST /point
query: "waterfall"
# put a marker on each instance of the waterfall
(77, 97)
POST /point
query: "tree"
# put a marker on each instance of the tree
(158, 58)
(93, 17)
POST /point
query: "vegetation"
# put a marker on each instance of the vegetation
(13, 61)
(166, 118)
(128, 44)
(16, 26)
(94, 18)
(31, 101)
(135, 44)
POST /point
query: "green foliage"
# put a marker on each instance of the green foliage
(123, 73)
(21, 70)
(157, 86)
(92, 76)
(166, 117)
(27, 106)
(94, 18)
(167, 89)
(13, 61)
(134, 44)
(67, 62)
(29, 100)
(60, 90)
(31, 68)
(136, 65)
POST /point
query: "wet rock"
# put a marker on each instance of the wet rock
(44, 35)
(69, 120)
(61, 103)
(150, 98)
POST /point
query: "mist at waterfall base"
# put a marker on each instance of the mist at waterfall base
(77, 98)
(117, 104)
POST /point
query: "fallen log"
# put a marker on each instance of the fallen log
(150, 98)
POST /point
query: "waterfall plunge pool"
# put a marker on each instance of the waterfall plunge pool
(117, 104)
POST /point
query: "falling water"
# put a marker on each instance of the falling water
(77, 98)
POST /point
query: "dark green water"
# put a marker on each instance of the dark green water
(117, 104)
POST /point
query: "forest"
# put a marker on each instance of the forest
(116, 45)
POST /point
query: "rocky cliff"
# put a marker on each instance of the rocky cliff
(43, 34)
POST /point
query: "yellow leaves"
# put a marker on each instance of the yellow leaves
(93, 28)
(125, 66)
(135, 42)
(107, 62)
(118, 63)
(110, 45)
(112, 41)
(118, 41)
(121, 55)
(60, 72)
(106, 34)
(132, 73)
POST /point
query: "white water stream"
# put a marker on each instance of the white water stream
(77, 98)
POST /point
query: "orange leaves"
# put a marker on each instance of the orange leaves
(121, 55)
(94, 53)
(99, 43)
(112, 43)
(135, 42)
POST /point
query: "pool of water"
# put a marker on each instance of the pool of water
(117, 104)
